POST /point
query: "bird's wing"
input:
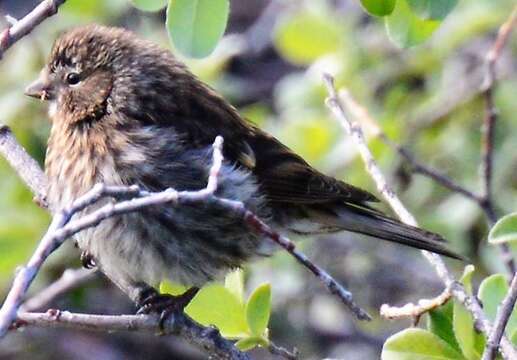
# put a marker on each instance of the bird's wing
(200, 114)
(286, 177)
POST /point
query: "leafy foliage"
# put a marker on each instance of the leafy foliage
(226, 308)
(453, 325)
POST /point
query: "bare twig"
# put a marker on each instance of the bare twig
(501, 320)
(332, 285)
(22, 27)
(282, 352)
(206, 338)
(26, 167)
(490, 118)
(415, 311)
(71, 279)
(489, 123)
(360, 113)
(337, 107)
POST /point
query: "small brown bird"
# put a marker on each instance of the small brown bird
(124, 111)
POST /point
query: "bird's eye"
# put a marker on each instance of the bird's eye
(73, 78)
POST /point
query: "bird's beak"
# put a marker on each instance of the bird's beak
(39, 89)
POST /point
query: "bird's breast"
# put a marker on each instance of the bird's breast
(75, 162)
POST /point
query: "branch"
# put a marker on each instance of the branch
(362, 114)
(22, 27)
(282, 352)
(490, 119)
(206, 338)
(503, 315)
(25, 166)
(337, 107)
(415, 311)
(71, 279)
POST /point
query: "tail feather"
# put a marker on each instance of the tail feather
(373, 223)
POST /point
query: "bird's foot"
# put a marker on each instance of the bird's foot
(87, 260)
(165, 304)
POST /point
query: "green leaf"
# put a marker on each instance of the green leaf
(149, 5)
(215, 305)
(417, 344)
(405, 29)
(491, 292)
(167, 287)
(432, 9)
(379, 7)
(195, 26)
(439, 322)
(303, 37)
(505, 230)
(251, 342)
(470, 341)
(258, 309)
(234, 282)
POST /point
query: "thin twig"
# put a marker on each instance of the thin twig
(71, 279)
(362, 114)
(501, 320)
(415, 310)
(489, 123)
(22, 27)
(332, 285)
(25, 166)
(282, 352)
(207, 338)
(490, 118)
(337, 107)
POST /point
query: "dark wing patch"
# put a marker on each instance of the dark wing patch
(286, 177)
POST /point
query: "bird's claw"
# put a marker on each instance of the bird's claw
(165, 304)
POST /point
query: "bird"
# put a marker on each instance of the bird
(125, 111)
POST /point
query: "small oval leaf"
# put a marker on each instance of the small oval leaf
(417, 344)
(504, 230)
(149, 5)
(379, 7)
(405, 29)
(195, 26)
(258, 310)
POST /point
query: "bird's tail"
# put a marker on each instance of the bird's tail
(374, 223)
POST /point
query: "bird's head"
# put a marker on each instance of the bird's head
(78, 78)
(93, 69)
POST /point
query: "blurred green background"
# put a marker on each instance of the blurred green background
(269, 65)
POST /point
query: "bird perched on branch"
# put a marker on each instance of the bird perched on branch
(125, 111)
